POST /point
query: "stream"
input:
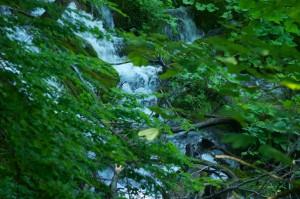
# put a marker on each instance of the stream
(143, 80)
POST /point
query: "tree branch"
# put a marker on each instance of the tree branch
(208, 123)
(114, 181)
(219, 167)
(120, 63)
(234, 187)
(16, 10)
(295, 190)
(248, 164)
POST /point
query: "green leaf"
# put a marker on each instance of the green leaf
(291, 27)
(291, 85)
(188, 2)
(137, 59)
(228, 60)
(272, 153)
(200, 6)
(149, 134)
(168, 74)
(239, 140)
(211, 7)
(164, 112)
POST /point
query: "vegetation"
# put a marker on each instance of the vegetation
(62, 121)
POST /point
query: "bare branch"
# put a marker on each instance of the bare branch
(120, 63)
(113, 186)
(208, 123)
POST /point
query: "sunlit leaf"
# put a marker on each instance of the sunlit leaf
(149, 134)
(291, 85)
(228, 60)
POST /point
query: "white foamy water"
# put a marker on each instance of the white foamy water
(133, 79)
(20, 34)
(139, 81)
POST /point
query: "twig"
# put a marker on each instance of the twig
(231, 188)
(248, 164)
(120, 63)
(234, 158)
(295, 190)
(200, 170)
(253, 192)
(114, 181)
(224, 169)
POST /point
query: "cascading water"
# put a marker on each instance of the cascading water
(186, 29)
(141, 81)
(190, 143)
(107, 17)
(136, 80)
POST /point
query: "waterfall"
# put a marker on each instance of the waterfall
(186, 29)
(107, 17)
(139, 81)
(134, 80)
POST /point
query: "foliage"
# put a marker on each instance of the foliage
(59, 107)
(62, 121)
(143, 14)
(251, 70)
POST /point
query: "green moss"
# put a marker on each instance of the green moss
(77, 46)
(100, 73)
(74, 89)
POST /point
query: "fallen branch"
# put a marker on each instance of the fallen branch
(221, 168)
(235, 159)
(120, 63)
(208, 123)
